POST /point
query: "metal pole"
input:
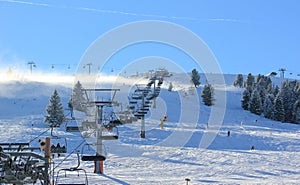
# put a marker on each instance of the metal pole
(89, 64)
(31, 64)
(99, 164)
(143, 132)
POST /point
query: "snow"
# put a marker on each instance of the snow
(170, 155)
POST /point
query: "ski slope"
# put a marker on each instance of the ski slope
(169, 155)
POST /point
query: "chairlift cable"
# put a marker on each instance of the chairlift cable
(39, 135)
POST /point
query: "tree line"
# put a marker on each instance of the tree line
(261, 97)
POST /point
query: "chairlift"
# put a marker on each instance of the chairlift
(139, 116)
(59, 144)
(145, 109)
(132, 107)
(147, 102)
(160, 82)
(147, 106)
(111, 134)
(71, 178)
(150, 97)
(86, 157)
(142, 112)
(136, 97)
(133, 102)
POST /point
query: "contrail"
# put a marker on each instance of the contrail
(125, 13)
(134, 14)
(25, 2)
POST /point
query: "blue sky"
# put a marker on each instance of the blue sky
(245, 35)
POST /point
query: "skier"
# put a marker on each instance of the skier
(42, 144)
(228, 133)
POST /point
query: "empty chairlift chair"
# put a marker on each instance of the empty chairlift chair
(68, 178)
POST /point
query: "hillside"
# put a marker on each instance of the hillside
(167, 156)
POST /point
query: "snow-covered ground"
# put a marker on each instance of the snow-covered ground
(169, 155)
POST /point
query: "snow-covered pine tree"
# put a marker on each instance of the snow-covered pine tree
(268, 84)
(239, 81)
(288, 98)
(78, 99)
(278, 108)
(208, 95)
(170, 87)
(262, 89)
(268, 107)
(195, 78)
(259, 77)
(270, 89)
(296, 111)
(249, 81)
(255, 105)
(55, 111)
(246, 99)
(276, 90)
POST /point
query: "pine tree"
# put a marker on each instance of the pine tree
(269, 85)
(246, 99)
(170, 87)
(288, 99)
(255, 105)
(208, 95)
(296, 111)
(262, 89)
(195, 77)
(276, 91)
(239, 81)
(55, 111)
(278, 108)
(268, 107)
(249, 81)
(78, 99)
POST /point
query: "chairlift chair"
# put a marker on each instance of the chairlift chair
(58, 147)
(133, 102)
(85, 157)
(72, 169)
(136, 97)
(113, 136)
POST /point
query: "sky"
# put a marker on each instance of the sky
(245, 36)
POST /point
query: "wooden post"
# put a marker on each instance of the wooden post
(47, 160)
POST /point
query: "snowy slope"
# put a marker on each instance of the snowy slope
(170, 155)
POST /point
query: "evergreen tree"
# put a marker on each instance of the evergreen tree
(270, 89)
(55, 111)
(195, 77)
(268, 84)
(259, 77)
(296, 111)
(246, 99)
(288, 99)
(170, 87)
(276, 91)
(239, 81)
(278, 108)
(249, 81)
(262, 89)
(208, 95)
(268, 107)
(255, 105)
(78, 100)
